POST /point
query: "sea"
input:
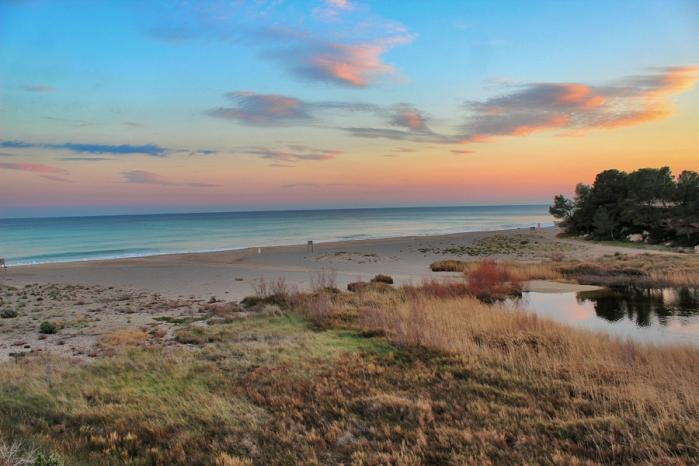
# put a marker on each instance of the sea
(45, 240)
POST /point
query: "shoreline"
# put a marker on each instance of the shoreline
(269, 246)
(233, 273)
(330, 243)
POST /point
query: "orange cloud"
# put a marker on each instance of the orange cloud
(351, 64)
(578, 107)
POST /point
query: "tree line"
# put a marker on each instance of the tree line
(648, 204)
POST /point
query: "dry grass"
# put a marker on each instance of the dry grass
(641, 269)
(385, 375)
(521, 271)
(588, 397)
(617, 269)
(125, 337)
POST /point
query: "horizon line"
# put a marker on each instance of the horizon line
(39, 217)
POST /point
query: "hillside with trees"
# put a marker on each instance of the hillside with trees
(648, 204)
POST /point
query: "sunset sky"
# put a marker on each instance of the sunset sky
(135, 106)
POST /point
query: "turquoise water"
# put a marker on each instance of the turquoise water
(42, 240)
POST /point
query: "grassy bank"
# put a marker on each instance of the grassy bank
(382, 376)
(657, 270)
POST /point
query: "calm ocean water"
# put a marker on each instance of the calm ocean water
(41, 240)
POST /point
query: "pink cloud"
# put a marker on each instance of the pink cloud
(146, 177)
(31, 167)
(262, 109)
(293, 155)
(578, 108)
(351, 65)
(409, 117)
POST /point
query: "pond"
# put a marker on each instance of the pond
(663, 316)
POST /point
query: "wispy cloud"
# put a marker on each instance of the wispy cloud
(134, 124)
(292, 153)
(569, 108)
(31, 167)
(56, 178)
(319, 50)
(321, 185)
(262, 109)
(150, 178)
(345, 64)
(16, 144)
(255, 109)
(330, 10)
(86, 159)
(577, 107)
(120, 149)
(409, 117)
(39, 88)
(152, 150)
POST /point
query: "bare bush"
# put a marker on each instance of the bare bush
(264, 288)
(13, 454)
(323, 280)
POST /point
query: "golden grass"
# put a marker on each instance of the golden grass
(645, 397)
(521, 270)
(386, 375)
(124, 337)
(641, 269)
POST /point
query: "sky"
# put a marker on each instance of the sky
(181, 106)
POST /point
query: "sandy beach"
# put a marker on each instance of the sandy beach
(230, 274)
(94, 299)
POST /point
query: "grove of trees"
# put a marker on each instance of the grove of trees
(650, 202)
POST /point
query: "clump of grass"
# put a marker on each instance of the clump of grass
(449, 265)
(640, 269)
(123, 338)
(381, 278)
(8, 314)
(48, 328)
(275, 292)
(437, 289)
(523, 271)
(14, 454)
(356, 286)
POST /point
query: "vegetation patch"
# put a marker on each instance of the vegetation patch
(520, 245)
(383, 375)
(8, 314)
(648, 205)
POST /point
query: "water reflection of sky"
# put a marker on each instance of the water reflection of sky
(659, 316)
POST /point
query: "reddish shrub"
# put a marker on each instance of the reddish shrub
(489, 281)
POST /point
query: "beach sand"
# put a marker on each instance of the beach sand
(90, 301)
(231, 274)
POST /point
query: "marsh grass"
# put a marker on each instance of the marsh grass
(385, 375)
(521, 271)
(653, 270)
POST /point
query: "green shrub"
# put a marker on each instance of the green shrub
(8, 313)
(50, 460)
(48, 328)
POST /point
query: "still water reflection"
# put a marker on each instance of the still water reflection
(664, 316)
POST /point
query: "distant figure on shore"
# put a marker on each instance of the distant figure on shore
(2, 264)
